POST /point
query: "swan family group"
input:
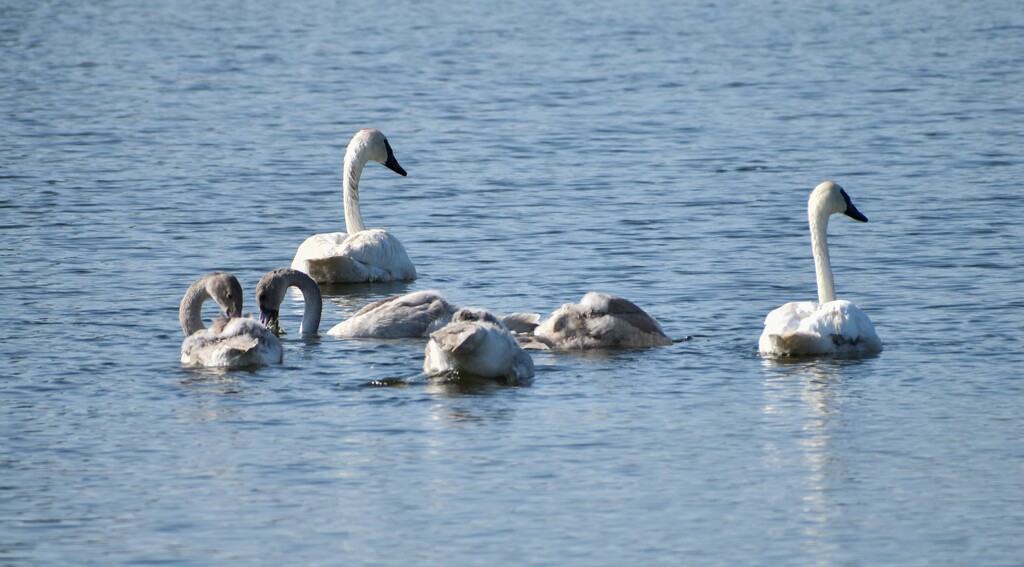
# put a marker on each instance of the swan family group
(471, 341)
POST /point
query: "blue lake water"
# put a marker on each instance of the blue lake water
(659, 151)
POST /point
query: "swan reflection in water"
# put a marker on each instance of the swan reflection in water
(801, 394)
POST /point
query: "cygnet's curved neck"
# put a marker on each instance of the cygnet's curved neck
(312, 300)
(355, 158)
(271, 290)
(190, 312)
(818, 219)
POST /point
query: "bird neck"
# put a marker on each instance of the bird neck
(190, 312)
(819, 247)
(355, 159)
(313, 302)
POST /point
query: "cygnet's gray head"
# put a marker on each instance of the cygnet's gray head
(227, 292)
(270, 294)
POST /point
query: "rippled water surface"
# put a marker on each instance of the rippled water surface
(662, 151)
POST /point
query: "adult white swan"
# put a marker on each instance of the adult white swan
(830, 326)
(475, 343)
(270, 294)
(232, 341)
(357, 255)
(600, 320)
(414, 314)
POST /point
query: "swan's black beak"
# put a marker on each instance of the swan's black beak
(854, 214)
(851, 211)
(392, 163)
(232, 314)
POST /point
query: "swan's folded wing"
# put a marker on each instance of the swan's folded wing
(380, 254)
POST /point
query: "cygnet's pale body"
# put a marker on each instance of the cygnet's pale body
(600, 320)
(232, 341)
(411, 315)
(475, 343)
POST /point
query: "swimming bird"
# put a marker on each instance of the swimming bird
(270, 294)
(232, 341)
(414, 314)
(357, 255)
(475, 343)
(600, 320)
(829, 326)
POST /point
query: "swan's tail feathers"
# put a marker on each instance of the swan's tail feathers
(461, 341)
(335, 269)
(795, 344)
(520, 322)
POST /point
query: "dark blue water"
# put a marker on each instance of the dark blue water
(657, 151)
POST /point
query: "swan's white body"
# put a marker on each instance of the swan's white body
(358, 254)
(600, 320)
(233, 341)
(270, 294)
(830, 326)
(475, 343)
(414, 314)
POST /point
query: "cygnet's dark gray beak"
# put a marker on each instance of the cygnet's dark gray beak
(268, 318)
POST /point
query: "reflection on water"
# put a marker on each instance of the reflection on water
(457, 414)
(358, 294)
(456, 384)
(801, 395)
(215, 380)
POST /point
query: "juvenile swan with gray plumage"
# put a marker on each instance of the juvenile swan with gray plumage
(232, 341)
(600, 320)
(476, 343)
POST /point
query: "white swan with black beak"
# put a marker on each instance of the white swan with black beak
(232, 341)
(358, 254)
(830, 326)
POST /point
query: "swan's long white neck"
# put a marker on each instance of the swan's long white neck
(818, 219)
(190, 312)
(355, 158)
